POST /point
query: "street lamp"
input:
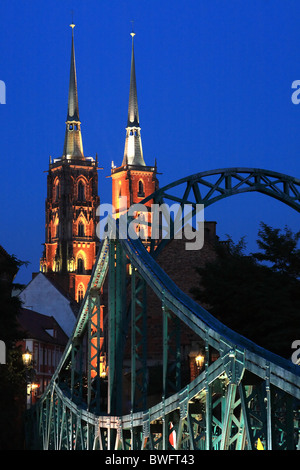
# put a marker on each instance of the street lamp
(199, 360)
(27, 357)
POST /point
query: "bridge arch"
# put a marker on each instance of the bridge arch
(199, 189)
(209, 187)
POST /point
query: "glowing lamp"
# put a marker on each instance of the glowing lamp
(199, 360)
(27, 357)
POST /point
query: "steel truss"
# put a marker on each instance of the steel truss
(243, 397)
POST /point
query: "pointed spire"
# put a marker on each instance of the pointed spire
(133, 153)
(133, 112)
(73, 139)
(73, 110)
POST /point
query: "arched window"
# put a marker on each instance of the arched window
(57, 191)
(81, 191)
(80, 266)
(81, 230)
(141, 192)
(80, 293)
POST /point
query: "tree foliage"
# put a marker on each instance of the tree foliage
(256, 294)
(12, 374)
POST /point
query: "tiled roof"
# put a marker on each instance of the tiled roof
(35, 326)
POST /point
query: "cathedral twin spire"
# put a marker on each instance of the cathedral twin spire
(73, 148)
(133, 152)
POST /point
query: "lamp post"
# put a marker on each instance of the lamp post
(27, 360)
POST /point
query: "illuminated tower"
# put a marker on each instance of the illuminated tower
(133, 180)
(71, 204)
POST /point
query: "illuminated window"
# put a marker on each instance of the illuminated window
(81, 195)
(141, 192)
(80, 293)
(56, 189)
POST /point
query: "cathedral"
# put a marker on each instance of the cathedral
(71, 239)
(72, 193)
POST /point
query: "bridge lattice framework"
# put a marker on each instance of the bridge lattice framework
(242, 395)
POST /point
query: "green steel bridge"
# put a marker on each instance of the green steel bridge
(244, 397)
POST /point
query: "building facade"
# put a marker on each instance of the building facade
(45, 340)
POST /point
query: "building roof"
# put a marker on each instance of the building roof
(41, 327)
(45, 296)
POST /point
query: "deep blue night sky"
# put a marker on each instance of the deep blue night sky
(214, 89)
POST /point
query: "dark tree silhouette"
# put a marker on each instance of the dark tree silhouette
(256, 294)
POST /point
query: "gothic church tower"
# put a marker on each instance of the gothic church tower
(71, 204)
(133, 180)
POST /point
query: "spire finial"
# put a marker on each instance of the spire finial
(132, 34)
(72, 25)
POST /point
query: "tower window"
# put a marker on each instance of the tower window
(81, 229)
(81, 195)
(141, 192)
(80, 266)
(80, 293)
(56, 192)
